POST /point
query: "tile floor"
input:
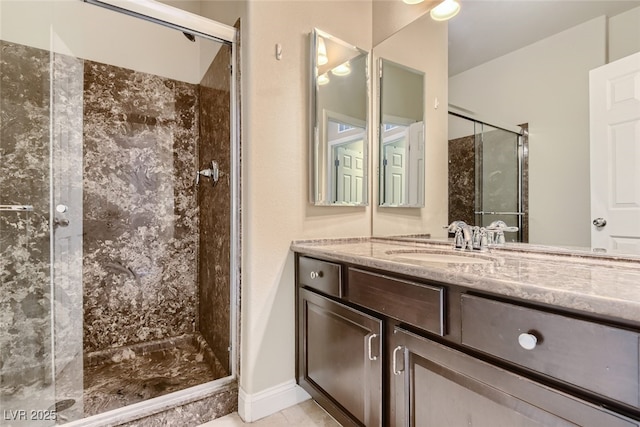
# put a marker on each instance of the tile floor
(305, 414)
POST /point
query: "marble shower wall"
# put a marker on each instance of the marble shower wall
(462, 179)
(215, 221)
(25, 296)
(140, 210)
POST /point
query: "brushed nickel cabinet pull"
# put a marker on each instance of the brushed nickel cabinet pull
(371, 356)
(395, 360)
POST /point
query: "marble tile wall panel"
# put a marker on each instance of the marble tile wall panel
(25, 322)
(140, 211)
(215, 207)
(462, 179)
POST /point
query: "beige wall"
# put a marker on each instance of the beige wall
(403, 92)
(391, 16)
(430, 37)
(275, 173)
(624, 34)
(546, 85)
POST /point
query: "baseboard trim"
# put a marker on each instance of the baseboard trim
(252, 407)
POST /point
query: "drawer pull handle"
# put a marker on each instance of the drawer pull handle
(395, 360)
(371, 356)
(315, 274)
(527, 341)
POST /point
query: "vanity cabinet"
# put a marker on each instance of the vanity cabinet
(434, 385)
(453, 356)
(340, 354)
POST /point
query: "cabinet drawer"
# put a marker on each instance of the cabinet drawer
(414, 303)
(599, 358)
(320, 275)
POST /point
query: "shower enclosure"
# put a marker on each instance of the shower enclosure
(118, 271)
(488, 174)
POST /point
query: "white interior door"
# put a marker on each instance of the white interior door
(349, 173)
(615, 154)
(395, 154)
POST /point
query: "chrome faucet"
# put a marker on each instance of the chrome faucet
(496, 232)
(463, 235)
(478, 238)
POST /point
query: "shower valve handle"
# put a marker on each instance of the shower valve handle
(213, 173)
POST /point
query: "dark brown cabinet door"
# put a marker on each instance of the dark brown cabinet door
(340, 361)
(433, 386)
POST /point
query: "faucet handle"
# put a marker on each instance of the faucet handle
(475, 237)
(484, 241)
(455, 226)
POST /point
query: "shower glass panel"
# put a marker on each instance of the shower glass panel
(115, 267)
(498, 178)
(487, 175)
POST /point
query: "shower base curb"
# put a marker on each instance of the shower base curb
(160, 407)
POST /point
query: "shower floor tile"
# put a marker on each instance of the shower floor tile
(130, 376)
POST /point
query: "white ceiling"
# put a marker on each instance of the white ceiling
(488, 29)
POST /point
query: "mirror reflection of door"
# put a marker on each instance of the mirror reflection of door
(394, 154)
(402, 160)
(345, 137)
(401, 136)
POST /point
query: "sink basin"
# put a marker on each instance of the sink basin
(439, 257)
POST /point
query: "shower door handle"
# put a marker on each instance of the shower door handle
(16, 208)
(60, 222)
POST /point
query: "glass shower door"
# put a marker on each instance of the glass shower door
(40, 222)
(498, 178)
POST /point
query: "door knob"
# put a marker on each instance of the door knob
(599, 222)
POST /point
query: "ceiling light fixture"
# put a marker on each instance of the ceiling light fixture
(445, 10)
(322, 52)
(412, 1)
(343, 69)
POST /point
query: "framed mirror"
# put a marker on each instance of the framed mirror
(402, 137)
(339, 122)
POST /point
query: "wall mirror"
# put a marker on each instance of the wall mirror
(401, 145)
(339, 122)
(507, 69)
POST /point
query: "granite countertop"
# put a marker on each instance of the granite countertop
(594, 285)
